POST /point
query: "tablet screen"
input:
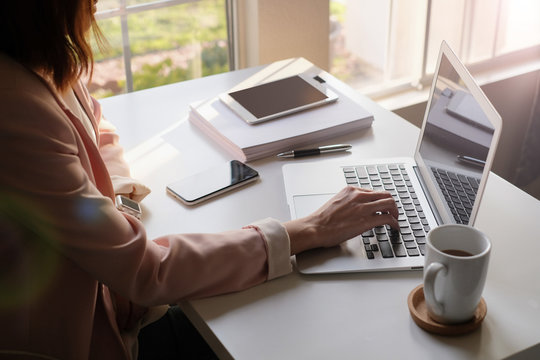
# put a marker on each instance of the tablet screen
(277, 96)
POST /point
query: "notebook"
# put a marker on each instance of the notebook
(249, 142)
(443, 183)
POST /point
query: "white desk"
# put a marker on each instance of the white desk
(347, 316)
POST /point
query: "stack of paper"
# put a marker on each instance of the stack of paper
(247, 142)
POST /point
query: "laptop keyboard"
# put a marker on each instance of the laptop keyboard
(459, 191)
(410, 239)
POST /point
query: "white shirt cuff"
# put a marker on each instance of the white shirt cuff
(129, 187)
(278, 247)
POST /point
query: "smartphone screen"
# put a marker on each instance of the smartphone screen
(212, 182)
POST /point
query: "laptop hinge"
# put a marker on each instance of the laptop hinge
(431, 203)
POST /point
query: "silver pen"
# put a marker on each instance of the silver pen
(472, 161)
(316, 151)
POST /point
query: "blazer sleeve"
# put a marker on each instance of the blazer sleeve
(44, 166)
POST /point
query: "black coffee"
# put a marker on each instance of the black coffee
(456, 252)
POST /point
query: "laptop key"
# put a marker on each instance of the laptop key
(407, 201)
(420, 240)
(410, 245)
(368, 233)
(405, 231)
(394, 237)
(361, 171)
(407, 237)
(399, 250)
(372, 170)
(382, 237)
(416, 226)
(380, 230)
(386, 249)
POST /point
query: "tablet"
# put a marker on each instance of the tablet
(278, 98)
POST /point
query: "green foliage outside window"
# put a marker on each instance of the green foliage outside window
(201, 23)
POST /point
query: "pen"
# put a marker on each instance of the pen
(315, 151)
(471, 160)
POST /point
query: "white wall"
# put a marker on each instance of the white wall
(287, 28)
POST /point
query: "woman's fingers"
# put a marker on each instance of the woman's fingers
(377, 202)
(383, 206)
(355, 210)
(383, 219)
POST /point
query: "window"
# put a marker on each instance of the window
(378, 47)
(386, 46)
(154, 43)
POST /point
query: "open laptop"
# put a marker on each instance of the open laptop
(442, 184)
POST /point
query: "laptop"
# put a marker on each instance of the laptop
(442, 184)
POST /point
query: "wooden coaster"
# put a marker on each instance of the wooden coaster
(419, 313)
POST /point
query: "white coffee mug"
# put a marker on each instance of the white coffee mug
(455, 272)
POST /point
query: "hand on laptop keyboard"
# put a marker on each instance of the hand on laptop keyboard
(409, 238)
(349, 213)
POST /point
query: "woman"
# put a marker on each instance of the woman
(78, 277)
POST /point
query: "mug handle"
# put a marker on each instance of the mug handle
(429, 285)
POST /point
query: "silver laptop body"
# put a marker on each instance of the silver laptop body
(455, 150)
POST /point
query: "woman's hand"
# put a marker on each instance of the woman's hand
(349, 213)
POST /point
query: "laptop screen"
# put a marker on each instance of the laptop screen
(457, 136)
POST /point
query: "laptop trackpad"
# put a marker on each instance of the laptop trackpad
(306, 204)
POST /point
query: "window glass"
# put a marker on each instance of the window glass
(379, 47)
(109, 75)
(167, 43)
(520, 25)
(358, 40)
(483, 30)
(177, 43)
(108, 4)
(406, 44)
(446, 23)
(377, 43)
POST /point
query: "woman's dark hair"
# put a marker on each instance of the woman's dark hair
(49, 36)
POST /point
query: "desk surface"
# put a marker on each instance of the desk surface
(345, 316)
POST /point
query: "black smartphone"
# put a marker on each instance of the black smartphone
(212, 182)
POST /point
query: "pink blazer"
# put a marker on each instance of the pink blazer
(69, 259)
